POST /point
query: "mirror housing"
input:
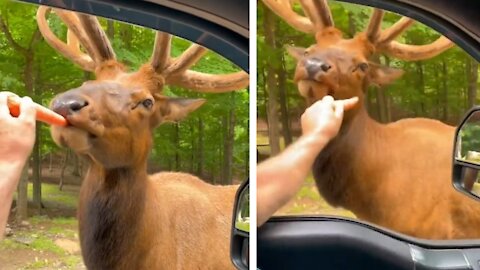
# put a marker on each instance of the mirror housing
(466, 155)
(239, 244)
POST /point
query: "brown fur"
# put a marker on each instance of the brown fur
(164, 221)
(127, 219)
(381, 174)
(396, 175)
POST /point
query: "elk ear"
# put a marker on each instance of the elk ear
(382, 75)
(175, 109)
(296, 52)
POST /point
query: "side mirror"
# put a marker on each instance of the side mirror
(466, 162)
(241, 227)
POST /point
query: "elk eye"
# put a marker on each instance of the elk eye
(305, 53)
(147, 103)
(363, 66)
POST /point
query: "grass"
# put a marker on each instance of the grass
(40, 250)
(50, 192)
(39, 264)
(308, 201)
(42, 243)
(10, 244)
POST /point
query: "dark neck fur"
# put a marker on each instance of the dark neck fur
(111, 208)
(333, 168)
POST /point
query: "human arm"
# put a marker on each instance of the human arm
(279, 178)
(17, 136)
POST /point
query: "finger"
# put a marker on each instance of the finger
(348, 103)
(4, 111)
(327, 99)
(339, 109)
(27, 110)
(4, 96)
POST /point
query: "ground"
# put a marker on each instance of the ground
(309, 202)
(49, 238)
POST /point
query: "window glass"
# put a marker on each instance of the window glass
(211, 143)
(394, 175)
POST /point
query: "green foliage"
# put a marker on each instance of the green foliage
(53, 74)
(441, 95)
(435, 88)
(470, 139)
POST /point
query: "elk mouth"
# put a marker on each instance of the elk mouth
(314, 90)
(79, 135)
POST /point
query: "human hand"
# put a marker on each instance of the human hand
(17, 134)
(324, 118)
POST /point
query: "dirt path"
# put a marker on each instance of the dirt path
(49, 238)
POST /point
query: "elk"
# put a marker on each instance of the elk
(396, 175)
(128, 219)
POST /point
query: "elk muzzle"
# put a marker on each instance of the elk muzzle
(66, 105)
(316, 67)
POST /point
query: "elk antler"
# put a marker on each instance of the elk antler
(317, 12)
(384, 40)
(318, 16)
(72, 49)
(176, 71)
(84, 31)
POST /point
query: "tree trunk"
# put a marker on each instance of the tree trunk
(282, 90)
(29, 87)
(421, 89)
(22, 196)
(111, 30)
(76, 165)
(193, 149)
(228, 143)
(200, 152)
(50, 162)
(381, 98)
(176, 138)
(472, 80)
(126, 34)
(445, 90)
(272, 112)
(36, 170)
(64, 167)
(438, 98)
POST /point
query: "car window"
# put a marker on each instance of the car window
(402, 189)
(211, 143)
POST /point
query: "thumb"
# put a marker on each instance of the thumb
(349, 103)
(339, 109)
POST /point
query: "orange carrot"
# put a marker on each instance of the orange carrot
(43, 114)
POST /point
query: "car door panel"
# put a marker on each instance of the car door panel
(340, 243)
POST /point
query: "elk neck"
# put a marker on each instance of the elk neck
(112, 208)
(340, 168)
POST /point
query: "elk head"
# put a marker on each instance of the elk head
(341, 67)
(112, 117)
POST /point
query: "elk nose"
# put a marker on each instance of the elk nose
(68, 105)
(315, 65)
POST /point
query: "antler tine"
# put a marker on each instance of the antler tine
(375, 25)
(283, 9)
(67, 50)
(417, 52)
(210, 83)
(97, 36)
(188, 58)
(161, 51)
(318, 12)
(73, 42)
(395, 30)
(73, 23)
